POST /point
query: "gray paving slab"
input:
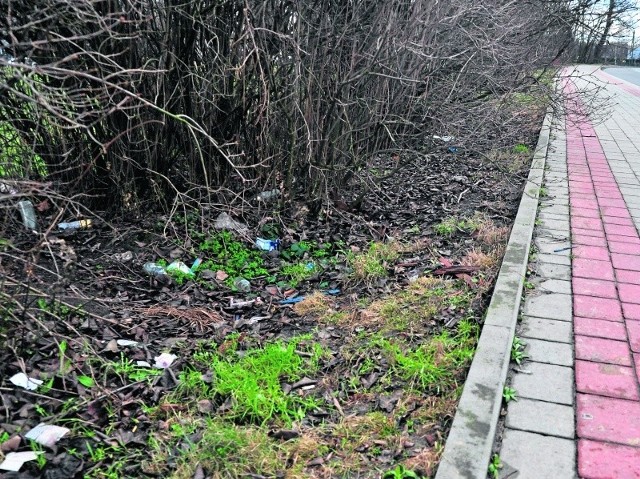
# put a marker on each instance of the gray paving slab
(545, 329)
(546, 382)
(542, 417)
(535, 456)
(549, 306)
(553, 271)
(553, 286)
(550, 352)
(554, 258)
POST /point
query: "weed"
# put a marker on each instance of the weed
(494, 466)
(529, 285)
(253, 380)
(127, 368)
(449, 226)
(232, 256)
(400, 473)
(521, 149)
(373, 263)
(543, 192)
(299, 272)
(517, 351)
(509, 394)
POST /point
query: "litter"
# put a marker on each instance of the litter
(446, 139)
(154, 269)
(28, 214)
(267, 245)
(242, 284)
(126, 342)
(226, 222)
(179, 266)
(24, 381)
(268, 195)
(46, 435)
(75, 225)
(164, 360)
(143, 364)
(15, 460)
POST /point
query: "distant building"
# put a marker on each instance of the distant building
(634, 55)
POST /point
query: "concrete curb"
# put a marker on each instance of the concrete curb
(468, 447)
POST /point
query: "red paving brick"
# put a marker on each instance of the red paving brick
(620, 230)
(633, 330)
(599, 328)
(597, 308)
(624, 248)
(591, 252)
(608, 419)
(617, 203)
(615, 220)
(599, 460)
(588, 240)
(631, 277)
(586, 223)
(594, 287)
(606, 380)
(602, 350)
(613, 211)
(624, 239)
(593, 269)
(631, 311)
(625, 261)
(629, 293)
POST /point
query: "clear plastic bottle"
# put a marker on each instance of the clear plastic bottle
(28, 214)
(242, 284)
(154, 269)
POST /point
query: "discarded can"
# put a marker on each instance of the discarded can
(28, 214)
(154, 269)
(242, 284)
(75, 225)
(267, 245)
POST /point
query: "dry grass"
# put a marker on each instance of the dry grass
(200, 319)
(316, 304)
(489, 234)
(482, 260)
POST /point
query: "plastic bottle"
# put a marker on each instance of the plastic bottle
(28, 214)
(154, 269)
(242, 284)
(75, 225)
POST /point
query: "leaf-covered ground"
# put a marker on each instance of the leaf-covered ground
(343, 357)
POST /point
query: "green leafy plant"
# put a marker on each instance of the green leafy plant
(451, 225)
(518, 350)
(127, 368)
(400, 472)
(225, 253)
(509, 394)
(299, 272)
(373, 263)
(494, 466)
(521, 149)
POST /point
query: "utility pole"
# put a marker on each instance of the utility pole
(633, 48)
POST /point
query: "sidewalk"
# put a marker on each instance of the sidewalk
(578, 407)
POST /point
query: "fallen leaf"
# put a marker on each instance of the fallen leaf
(164, 360)
(221, 275)
(11, 444)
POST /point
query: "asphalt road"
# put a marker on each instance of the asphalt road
(630, 74)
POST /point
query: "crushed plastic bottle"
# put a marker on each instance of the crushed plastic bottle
(75, 225)
(268, 195)
(28, 214)
(242, 284)
(267, 245)
(154, 269)
(179, 266)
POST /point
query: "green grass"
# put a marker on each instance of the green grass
(449, 226)
(298, 272)
(434, 365)
(253, 380)
(521, 149)
(223, 252)
(374, 262)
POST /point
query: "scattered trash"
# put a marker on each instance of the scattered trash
(446, 139)
(7, 189)
(561, 249)
(164, 360)
(154, 269)
(251, 321)
(242, 304)
(197, 262)
(143, 364)
(293, 300)
(242, 284)
(452, 149)
(267, 245)
(268, 195)
(181, 267)
(46, 435)
(332, 292)
(15, 460)
(75, 225)
(24, 381)
(123, 257)
(126, 343)
(28, 214)
(226, 222)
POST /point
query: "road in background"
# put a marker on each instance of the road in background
(630, 74)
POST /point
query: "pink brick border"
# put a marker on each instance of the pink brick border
(605, 304)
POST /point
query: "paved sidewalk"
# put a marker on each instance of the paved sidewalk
(578, 412)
